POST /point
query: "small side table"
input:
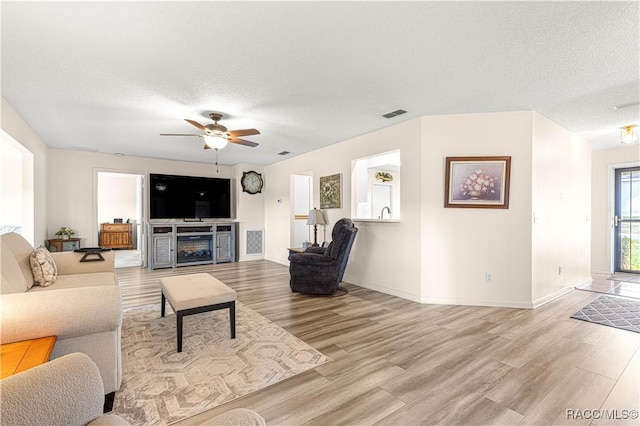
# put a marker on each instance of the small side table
(20, 356)
(58, 244)
(293, 250)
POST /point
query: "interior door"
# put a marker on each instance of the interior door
(627, 220)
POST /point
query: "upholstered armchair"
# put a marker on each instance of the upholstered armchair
(320, 270)
(69, 391)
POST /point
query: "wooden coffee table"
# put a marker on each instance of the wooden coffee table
(20, 356)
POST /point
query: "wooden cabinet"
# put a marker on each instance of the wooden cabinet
(116, 235)
(58, 244)
(182, 244)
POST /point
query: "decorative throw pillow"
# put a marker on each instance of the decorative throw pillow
(43, 267)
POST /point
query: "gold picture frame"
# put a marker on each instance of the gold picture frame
(331, 191)
(477, 182)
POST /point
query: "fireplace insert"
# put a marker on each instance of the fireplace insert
(194, 249)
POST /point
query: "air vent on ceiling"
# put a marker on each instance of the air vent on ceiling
(394, 113)
(284, 153)
(625, 105)
(84, 148)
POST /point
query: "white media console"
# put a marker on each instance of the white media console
(191, 243)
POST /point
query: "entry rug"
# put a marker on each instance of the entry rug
(613, 311)
(160, 386)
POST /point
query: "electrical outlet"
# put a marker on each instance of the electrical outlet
(559, 270)
(487, 277)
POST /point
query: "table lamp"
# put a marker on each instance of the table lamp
(315, 218)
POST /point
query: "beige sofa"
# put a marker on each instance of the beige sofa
(82, 308)
(68, 391)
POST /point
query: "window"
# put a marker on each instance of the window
(17, 193)
(376, 191)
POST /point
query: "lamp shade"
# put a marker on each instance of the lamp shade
(316, 218)
(215, 142)
(628, 135)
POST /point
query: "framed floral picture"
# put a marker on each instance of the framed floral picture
(477, 182)
(331, 192)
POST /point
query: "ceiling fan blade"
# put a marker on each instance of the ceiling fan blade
(243, 132)
(242, 142)
(180, 134)
(195, 123)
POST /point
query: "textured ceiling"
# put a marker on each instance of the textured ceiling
(112, 76)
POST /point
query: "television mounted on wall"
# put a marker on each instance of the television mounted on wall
(189, 197)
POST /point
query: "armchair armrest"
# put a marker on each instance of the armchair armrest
(63, 313)
(318, 250)
(310, 259)
(68, 262)
(67, 390)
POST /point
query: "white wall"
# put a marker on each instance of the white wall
(561, 207)
(385, 256)
(72, 188)
(117, 197)
(17, 128)
(432, 255)
(602, 193)
(249, 209)
(441, 255)
(461, 245)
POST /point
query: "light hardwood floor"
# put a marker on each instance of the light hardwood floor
(400, 362)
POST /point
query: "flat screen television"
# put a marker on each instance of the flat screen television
(189, 197)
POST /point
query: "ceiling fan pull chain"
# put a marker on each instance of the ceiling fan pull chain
(217, 169)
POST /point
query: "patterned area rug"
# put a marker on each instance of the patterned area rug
(615, 312)
(160, 386)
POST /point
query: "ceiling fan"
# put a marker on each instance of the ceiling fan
(216, 136)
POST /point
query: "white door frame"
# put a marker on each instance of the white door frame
(611, 210)
(142, 242)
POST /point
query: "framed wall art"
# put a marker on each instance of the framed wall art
(477, 182)
(331, 191)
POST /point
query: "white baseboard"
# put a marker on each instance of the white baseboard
(387, 290)
(550, 297)
(476, 302)
(583, 281)
(280, 261)
(250, 257)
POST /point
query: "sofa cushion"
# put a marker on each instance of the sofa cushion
(43, 267)
(16, 267)
(95, 279)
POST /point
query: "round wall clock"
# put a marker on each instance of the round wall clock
(251, 182)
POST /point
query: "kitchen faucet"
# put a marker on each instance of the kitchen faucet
(382, 212)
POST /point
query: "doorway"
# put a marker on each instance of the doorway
(120, 201)
(627, 220)
(302, 203)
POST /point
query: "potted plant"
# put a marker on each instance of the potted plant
(65, 232)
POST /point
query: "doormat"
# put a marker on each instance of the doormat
(612, 311)
(161, 386)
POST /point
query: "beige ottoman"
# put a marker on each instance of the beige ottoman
(195, 294)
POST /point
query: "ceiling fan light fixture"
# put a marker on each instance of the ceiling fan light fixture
(628, 135)
(215, 142)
